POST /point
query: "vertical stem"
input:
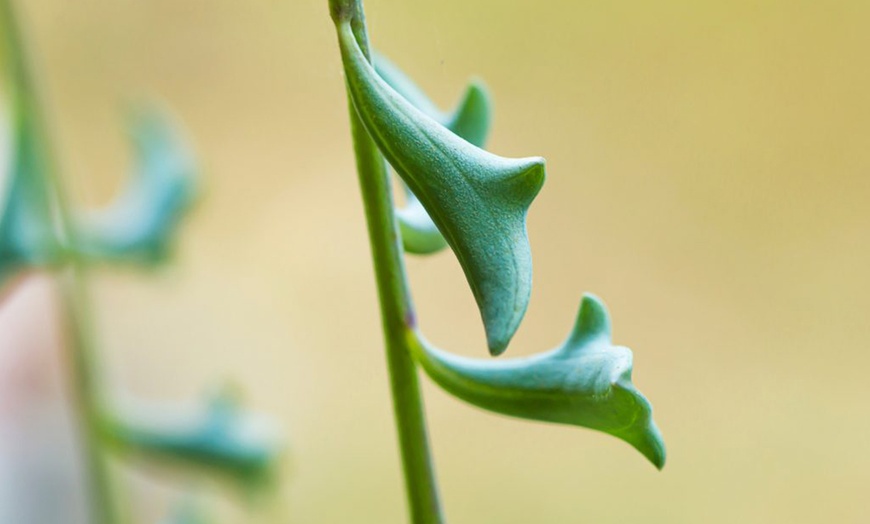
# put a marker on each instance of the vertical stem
(76, 306)
(36, 151)
(396, 309)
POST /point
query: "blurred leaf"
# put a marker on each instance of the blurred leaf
(219, 438)
(584, 382)
(27, 235)
(187, 512)
(478, 200)
(470, 120)
(140, 224)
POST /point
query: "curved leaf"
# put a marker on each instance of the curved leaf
(470, 120)
(584, 382)
(140, 224)
(472, 117)
(478, 200)
(220, 437)
(402, 84)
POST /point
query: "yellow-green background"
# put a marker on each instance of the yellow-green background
(708, 177)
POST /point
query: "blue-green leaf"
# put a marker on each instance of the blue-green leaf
(584, 382)
(420, 235)
(402, 84)
(27, 234)
(140, 224)
(472, 117)
(477, 199)
(470, 120)
(219, 438)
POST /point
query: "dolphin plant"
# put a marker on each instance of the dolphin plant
(477, 199)
(476, 202)
(585, 382)
(40, 231)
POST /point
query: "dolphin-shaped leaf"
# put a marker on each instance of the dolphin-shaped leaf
(220, 437)
(584, 382)
(470, 120)
(477, 199)
(140, 224)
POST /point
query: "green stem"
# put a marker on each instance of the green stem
(71, 278)
(76, 305)
(397, 312)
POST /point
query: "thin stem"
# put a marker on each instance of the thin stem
(71, 278)
(397, 312)
(76, 306)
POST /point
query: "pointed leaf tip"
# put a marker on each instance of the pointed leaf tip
(477, 200)
(593, 321)
(473, 115)
(651, 444)
(642, 432)
(527, 181)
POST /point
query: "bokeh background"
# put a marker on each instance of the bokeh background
(708, 177)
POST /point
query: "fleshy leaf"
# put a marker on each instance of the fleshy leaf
(584, 382)
(420, 235)
(472, 117)
(470, 120)
(140, 224)
(478, 200)
(402, 84)
(220, 437)
(27, 235)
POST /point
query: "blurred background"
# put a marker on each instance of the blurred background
(708, 172)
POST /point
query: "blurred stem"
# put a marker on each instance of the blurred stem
(71, 276)
(397, 312)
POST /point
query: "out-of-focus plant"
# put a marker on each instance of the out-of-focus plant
(460, 195)
(39, 230)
